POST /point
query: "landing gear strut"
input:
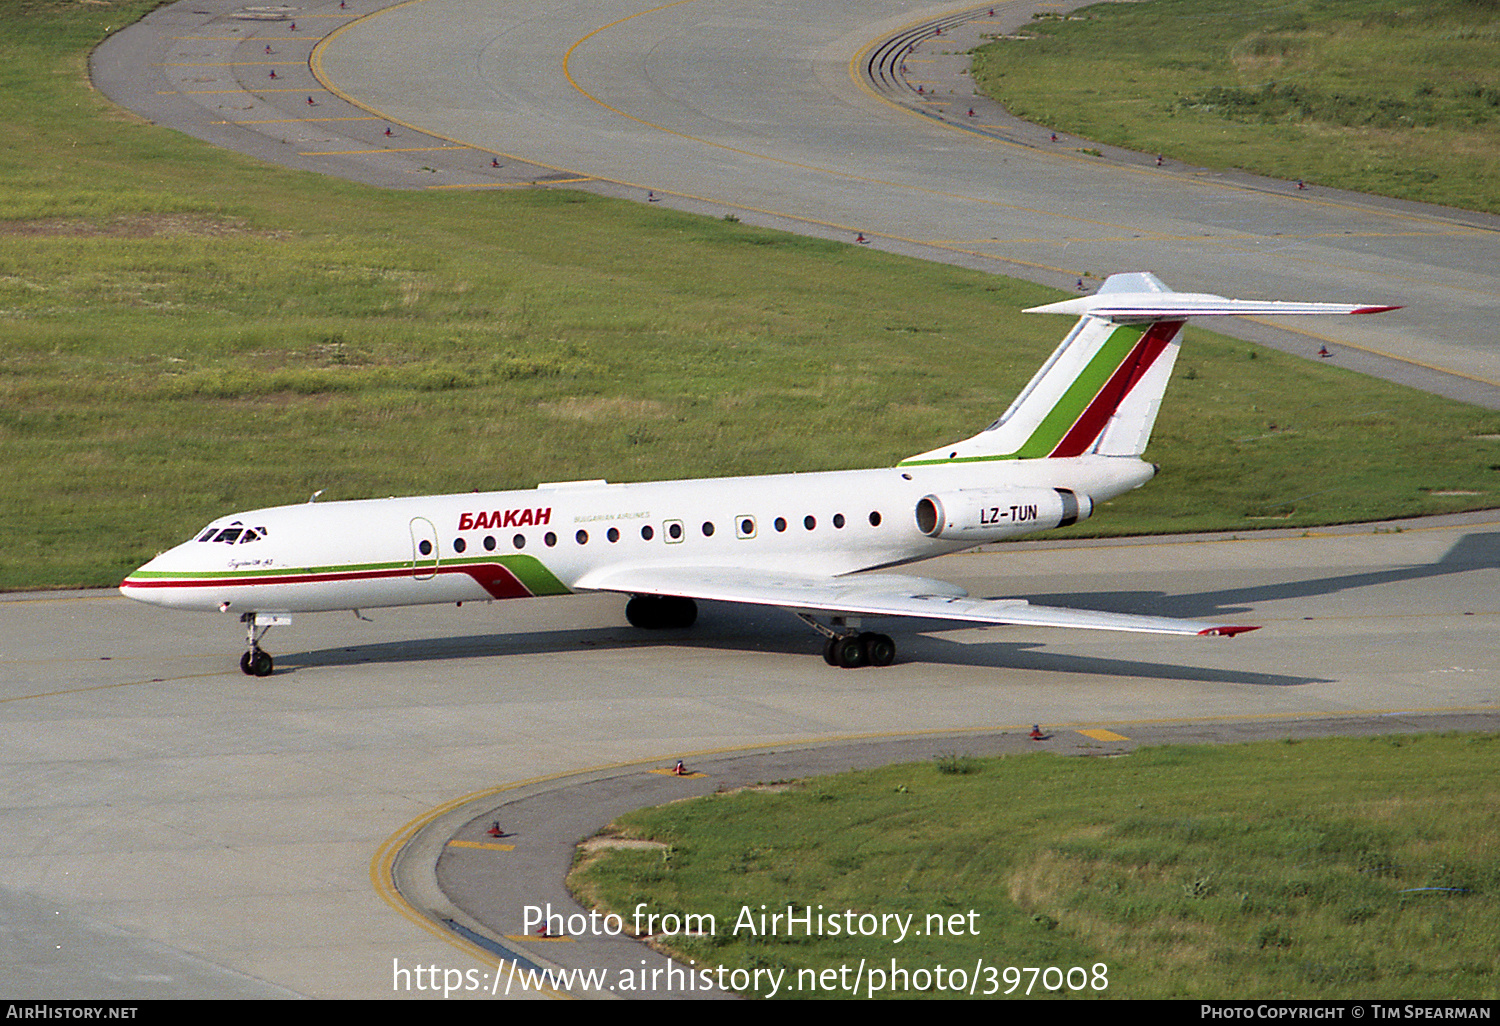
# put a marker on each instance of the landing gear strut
(849, 648)
(256, 662)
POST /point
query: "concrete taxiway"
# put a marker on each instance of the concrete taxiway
(174, 828)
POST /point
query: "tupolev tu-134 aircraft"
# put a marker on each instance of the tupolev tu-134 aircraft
(1072, 439)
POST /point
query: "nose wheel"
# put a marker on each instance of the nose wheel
(256, 663)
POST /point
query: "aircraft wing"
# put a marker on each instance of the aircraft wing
(872, 595)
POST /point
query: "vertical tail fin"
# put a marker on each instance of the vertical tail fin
(1100, 390)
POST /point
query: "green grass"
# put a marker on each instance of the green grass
(1342, 868)
(185, 332)
(1378, 96)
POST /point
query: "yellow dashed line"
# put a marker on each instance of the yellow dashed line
(485, 845)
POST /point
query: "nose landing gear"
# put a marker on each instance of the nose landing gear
(256, 662)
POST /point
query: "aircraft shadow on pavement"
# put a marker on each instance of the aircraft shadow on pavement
(1469, 553)
(1048, 658)
(727, 628)
(734, 628)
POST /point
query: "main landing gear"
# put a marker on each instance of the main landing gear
(851, 650)
(847, 647)
(256, 662)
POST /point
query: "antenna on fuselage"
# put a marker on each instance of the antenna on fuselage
(314, 496)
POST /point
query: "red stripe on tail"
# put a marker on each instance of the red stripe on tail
(1085, 431)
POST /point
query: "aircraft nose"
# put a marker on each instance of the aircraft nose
(134, 586)
(153, 581)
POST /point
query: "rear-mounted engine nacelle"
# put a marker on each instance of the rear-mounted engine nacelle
(988, 514)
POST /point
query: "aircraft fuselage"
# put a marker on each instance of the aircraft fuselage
(546, 541)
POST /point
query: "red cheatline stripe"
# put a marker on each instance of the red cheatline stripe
(495, 579)
(243, 582)
(1086, 429)
(1374, 309)
(498, 581)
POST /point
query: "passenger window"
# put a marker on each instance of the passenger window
(519, 541)
(425, 548)
(809, 522)
(582, 537)
(781, 523)
(459, 545)
(489, 543)
(838, 520)
(874, 519)
(647, 533)
(674, 530)
(613, 534)
(708, 529)
(550, 539)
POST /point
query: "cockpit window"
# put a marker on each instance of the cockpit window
(235, 533)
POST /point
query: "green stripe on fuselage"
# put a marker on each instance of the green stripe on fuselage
(266, 571)
(530, 571)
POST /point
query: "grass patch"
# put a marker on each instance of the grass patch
(188, 332)
(1378, 96)
(1332, 869)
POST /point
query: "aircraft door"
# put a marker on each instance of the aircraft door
(424, 549)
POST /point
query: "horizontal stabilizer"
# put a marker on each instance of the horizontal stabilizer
(1154, 306)
(1141, 296)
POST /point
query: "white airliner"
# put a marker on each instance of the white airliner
(1073, 438)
